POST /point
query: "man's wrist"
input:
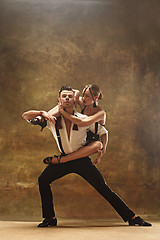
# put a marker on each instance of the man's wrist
(42, 112)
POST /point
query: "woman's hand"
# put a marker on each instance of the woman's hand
(98, 157)
(60, 107)
(101, 152)
(76, 98)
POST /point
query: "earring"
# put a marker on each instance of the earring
(94, 104)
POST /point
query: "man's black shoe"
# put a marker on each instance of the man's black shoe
(48, 222)
(137, 221)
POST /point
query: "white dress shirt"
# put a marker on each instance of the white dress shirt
(77, 137)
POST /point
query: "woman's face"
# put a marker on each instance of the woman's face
(87, 98)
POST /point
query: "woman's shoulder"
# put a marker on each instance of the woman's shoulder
(103, 115)
(98, 109)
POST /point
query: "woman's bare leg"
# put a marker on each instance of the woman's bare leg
(85, 151)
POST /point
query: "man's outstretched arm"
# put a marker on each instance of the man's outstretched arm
(34, 113)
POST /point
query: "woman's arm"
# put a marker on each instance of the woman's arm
(54, 111)
(104, 140)
(99, 116)
(78, 99)
(101, 152)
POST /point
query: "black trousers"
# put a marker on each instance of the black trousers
(84, 168)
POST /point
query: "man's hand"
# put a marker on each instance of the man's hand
(48, 117)
(53, 119)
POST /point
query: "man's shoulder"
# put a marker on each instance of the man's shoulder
(80, 115)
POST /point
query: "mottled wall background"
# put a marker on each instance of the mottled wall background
(47, 44)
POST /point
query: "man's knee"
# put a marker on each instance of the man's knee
(45, 179)
(42, 180)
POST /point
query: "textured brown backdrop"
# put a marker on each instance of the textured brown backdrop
(47, 44)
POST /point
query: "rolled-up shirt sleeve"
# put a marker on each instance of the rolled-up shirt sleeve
(101, 129)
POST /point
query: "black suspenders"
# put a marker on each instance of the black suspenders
(96, 127)
(59, 139)
(96, 124)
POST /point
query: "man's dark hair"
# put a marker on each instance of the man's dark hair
(68, 88)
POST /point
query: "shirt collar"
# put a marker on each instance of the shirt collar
(59, 125)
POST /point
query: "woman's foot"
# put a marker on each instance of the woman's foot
(53, 160)
(48, 160)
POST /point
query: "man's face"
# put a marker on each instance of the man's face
(67, 98)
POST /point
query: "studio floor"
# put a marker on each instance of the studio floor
(79, 230)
